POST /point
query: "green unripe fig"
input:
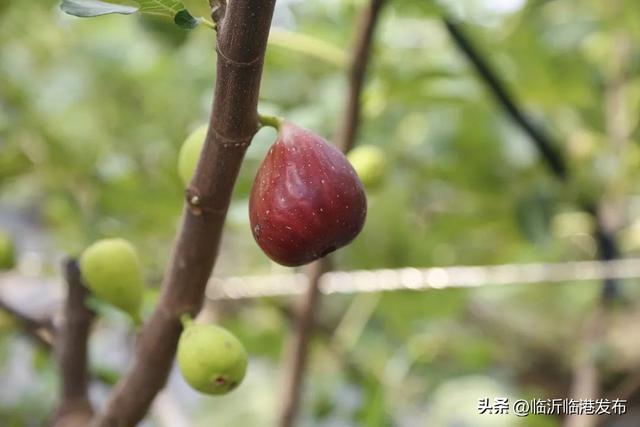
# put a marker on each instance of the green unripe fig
(190, 153)
(111, 270)
(211, 359)
(7, 252)
(369, 162)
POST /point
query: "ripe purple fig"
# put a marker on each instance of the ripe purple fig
(306, 200)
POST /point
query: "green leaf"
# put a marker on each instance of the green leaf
(88, 8)
(198, 8)
(183, 19)
(173, 9)
(168, 8)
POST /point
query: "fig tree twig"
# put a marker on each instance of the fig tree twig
(40, 331)
(241, 43)
(298, 347)
(587, 380)
(544, 143)
(345, 135)
(71, 345)
(547, 147)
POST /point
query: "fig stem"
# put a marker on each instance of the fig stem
(273, 121)
(186, 320)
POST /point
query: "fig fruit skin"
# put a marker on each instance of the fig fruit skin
(370, 164)
(190, 153)
(7, 251)
(211, 359)
(111, 270)
(306, 200)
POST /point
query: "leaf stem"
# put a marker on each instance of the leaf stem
(207, 23)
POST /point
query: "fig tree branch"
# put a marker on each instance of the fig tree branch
(241, 43)
(71, 345)
(298, 347)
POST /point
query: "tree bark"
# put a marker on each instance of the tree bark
(71, 345)
(241, 44)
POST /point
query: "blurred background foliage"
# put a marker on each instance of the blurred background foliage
(93, 112)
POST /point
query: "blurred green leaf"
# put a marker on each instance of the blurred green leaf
(89, 8)
(169, 8)
(184, 20)
(534, 212)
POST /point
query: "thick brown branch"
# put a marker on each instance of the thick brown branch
(298, 348)
(242, 39)
(71, 344)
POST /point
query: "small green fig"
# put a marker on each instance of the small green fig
(211, 359)
(190, 153)
(370, 164)
(111, 270)
(7, 252)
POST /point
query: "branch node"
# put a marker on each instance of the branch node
(199, 205)
(256, 62)
(194, 201)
